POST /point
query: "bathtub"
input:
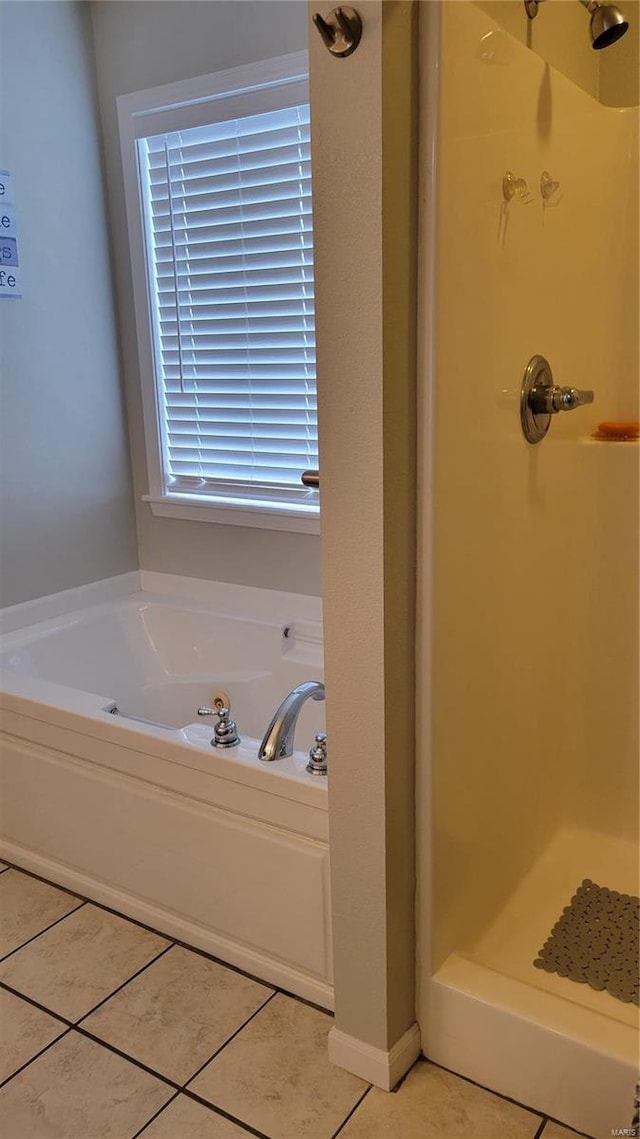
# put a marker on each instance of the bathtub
(111, 787)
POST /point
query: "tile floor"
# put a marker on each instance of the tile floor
(112, 1031)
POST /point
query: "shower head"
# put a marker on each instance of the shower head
(607, 23)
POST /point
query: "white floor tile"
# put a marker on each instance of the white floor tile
(73, 966)
(434, 1104)
(28, 906)
(275, 1075)
(79, 1090)
(185, 1119)
(24, 1031)
(176, 1014)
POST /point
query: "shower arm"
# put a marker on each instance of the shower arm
(531, 6)
(607, 25)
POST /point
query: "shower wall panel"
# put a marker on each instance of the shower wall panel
(535, 626)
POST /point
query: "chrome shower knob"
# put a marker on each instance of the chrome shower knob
(540, 398)
(550, 400)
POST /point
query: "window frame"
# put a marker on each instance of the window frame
(192, 102)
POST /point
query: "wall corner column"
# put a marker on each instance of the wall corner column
(364, 141)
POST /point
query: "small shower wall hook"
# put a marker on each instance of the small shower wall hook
(341, 30)
(549, 192)
(514, 187)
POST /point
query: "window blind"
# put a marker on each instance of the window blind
(229, 242)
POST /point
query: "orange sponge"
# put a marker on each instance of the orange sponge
(617, 431)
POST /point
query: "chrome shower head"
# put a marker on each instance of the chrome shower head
(607, 23)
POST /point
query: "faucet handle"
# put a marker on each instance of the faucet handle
(317, 764)
(225, 733)
(549, 400)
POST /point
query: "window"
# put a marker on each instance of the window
(218, 189)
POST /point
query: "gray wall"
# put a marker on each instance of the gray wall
(66, 508)
(140, 44)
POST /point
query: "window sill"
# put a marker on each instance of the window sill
(228, 514)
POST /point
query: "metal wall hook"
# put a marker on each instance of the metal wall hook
(341, 31)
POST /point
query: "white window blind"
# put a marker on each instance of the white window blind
(229, 242)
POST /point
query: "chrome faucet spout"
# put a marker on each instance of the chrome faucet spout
(278, 738)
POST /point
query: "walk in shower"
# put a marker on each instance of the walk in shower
(528, 758)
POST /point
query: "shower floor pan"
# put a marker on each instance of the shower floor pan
(543, 1039)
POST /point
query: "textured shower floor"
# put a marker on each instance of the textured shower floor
(511, 943)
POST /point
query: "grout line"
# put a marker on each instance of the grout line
(396, 1087)
(154, 1117)
(567, 1127)
(225, 1114)
(176, 941)
(36, 1004)
(219, 961)
(35, 1057)
(352, 1112)
(139, 1064)
(125, 1056)
(498, 1095)
(305, 1001)
(45, 930)
(77, 1023)
(228, 1041)
(123, 985)
(5, 868)
(167, 1080)
(99, 905)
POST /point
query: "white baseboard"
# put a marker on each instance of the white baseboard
(268, 969)
(383, 1069)
(14, 617)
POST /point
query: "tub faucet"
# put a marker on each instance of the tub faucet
(278, 738)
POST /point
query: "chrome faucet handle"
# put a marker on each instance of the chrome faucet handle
(550, 400)
(207, 711)
(540, 399)
(225, 733)
(317, 764)
(565, 399)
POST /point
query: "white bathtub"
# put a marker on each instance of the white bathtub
(135, 809)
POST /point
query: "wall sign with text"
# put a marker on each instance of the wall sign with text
(10, 283)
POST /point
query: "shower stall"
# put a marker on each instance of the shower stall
(528, 661)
